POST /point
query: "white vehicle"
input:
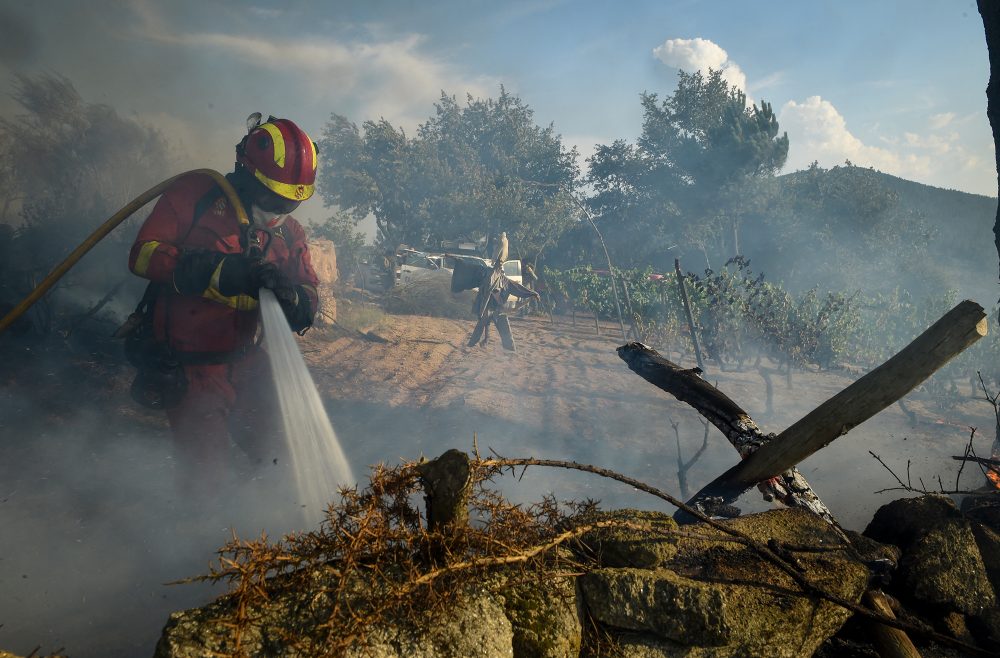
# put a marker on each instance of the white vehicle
(417, 264)
(512, 268)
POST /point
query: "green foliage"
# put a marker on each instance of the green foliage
(350, 243)
(684, 180)
(67, 166)
(471, 171)
(743, 317)
(848, 228)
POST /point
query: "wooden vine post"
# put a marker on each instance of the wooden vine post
(687, 312)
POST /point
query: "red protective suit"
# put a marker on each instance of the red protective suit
(230, 392)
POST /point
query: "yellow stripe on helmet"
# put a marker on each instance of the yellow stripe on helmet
(293, 192)
(145, 253)
(315, 155)
(279, 143)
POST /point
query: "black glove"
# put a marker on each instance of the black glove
(293, 299)
(193, 271)
(267, 275)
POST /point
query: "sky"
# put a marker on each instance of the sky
(898, 85)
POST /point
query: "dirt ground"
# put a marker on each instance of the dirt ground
(565, 394)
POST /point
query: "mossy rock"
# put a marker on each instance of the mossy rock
(944, 568)
(659, 602)
(630, 547)
(474, 624)
(718, 598)
(902, 522)
(545, 618)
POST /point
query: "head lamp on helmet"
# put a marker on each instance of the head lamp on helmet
(280, 156)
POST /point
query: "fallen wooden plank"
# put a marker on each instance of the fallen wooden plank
(930, 351)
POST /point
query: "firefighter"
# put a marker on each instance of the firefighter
(206, 269)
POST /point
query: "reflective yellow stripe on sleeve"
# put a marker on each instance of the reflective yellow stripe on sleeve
(145, 253)
(239, 302)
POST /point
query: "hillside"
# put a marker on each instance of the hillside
(851, 227)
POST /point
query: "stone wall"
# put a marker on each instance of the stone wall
(324, 261)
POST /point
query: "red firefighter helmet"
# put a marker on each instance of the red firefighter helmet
(280, 155)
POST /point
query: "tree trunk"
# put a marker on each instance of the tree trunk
(990, 11)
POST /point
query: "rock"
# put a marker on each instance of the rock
(941, 564)
(944, 568)
(680, 614)
(475, 629)
(627, 547)
(870, 551)
(985, 509)
(545, 619)
(955, 624)
(988, 542)
(657, 601)
(323, 254)
(986, 626)
(649, 646)
(903, 521)
(474, 626)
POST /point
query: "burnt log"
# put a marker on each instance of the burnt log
(736, 425)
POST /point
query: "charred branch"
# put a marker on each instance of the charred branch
(790, 488)
(883, 386)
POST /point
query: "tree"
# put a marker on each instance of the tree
(67, 165)
(341, 229)
(365, 174)
(685, 177)
(471, 171)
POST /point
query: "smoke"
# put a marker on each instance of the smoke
(18, 39)
(96, 522)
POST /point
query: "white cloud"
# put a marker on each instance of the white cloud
(939, 121)
(700, 55)
(817, 131)
(393, 78)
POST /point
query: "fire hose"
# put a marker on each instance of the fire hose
(104, 229)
